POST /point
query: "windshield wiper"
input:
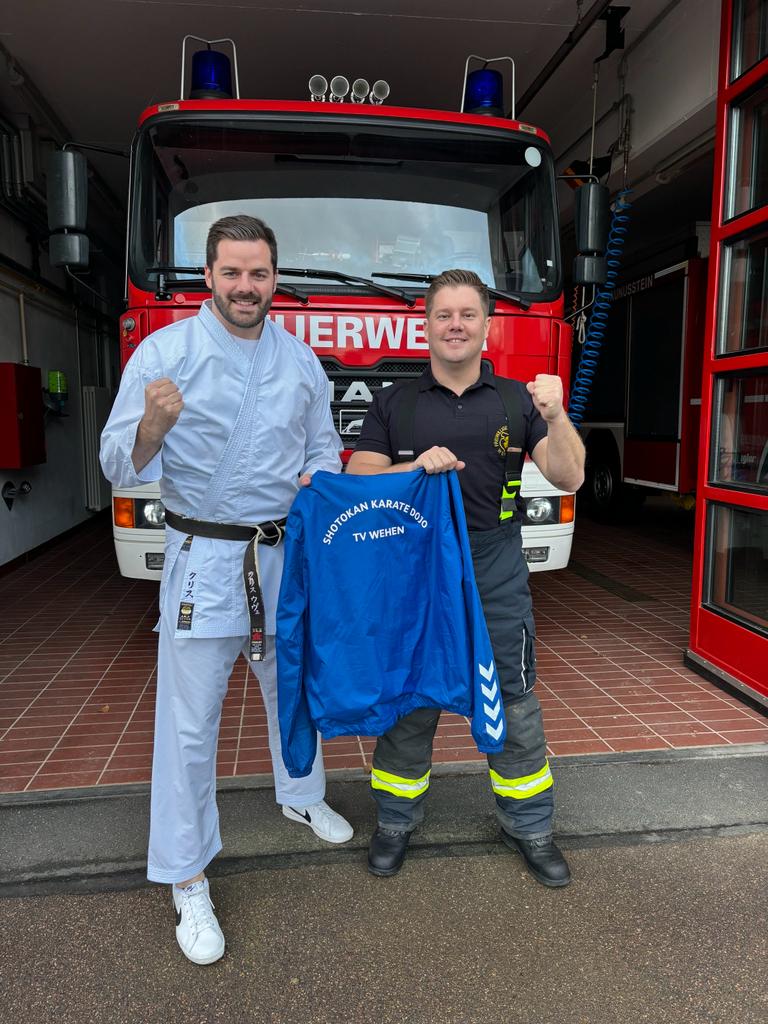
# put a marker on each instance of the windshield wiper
(496, 293)
(338, 275)
(164, 290)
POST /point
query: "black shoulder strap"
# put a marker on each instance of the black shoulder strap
(406, 418)
(509, 393)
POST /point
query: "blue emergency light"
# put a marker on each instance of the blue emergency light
(211, 76)
(484, 93)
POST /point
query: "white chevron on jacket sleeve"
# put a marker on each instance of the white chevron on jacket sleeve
(489, 692)
(492, 712)
(494, 733)
(486, 673)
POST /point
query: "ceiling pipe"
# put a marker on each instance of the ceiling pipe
(571, 41)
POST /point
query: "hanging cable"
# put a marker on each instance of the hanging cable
(598, 321)
(580, 308)
(595, 80)
(591, 341)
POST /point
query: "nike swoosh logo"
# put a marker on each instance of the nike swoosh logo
(302, 814)
(178, 918)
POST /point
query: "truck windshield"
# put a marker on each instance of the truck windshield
(358, 197)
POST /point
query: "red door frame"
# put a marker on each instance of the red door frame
(719, 646)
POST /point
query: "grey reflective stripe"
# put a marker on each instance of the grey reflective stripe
(523, 673)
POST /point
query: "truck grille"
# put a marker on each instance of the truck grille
(355, 386)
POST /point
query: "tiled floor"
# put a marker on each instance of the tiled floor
(77, 664)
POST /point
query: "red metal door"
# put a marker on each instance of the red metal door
(729, 615)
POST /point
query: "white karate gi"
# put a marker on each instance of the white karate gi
(256, 416)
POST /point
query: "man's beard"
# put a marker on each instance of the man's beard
(244, 319)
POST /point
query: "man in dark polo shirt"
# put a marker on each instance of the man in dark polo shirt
(456, 417)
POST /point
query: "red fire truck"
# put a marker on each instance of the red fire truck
(641, 428)
(368, 203)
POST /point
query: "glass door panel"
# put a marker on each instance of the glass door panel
(750, 35)
(736, 583)
(744, 295)
(740, 431)
(748, 157)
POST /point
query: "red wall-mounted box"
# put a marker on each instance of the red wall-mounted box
(22, 422)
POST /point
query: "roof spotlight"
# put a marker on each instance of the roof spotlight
(339, 88)
(360, 90)
(318, 87)
(380, 91)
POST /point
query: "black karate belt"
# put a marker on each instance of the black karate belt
(270, 533)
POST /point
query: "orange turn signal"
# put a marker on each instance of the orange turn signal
(567, 508)
(122, 510)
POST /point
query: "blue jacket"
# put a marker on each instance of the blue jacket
(379, 613)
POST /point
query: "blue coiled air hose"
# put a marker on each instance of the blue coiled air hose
(598, 320)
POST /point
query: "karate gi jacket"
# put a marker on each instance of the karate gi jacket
(379, 613)
(256, 417)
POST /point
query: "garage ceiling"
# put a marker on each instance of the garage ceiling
(98, 63)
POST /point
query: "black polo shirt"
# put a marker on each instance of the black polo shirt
(471, 425)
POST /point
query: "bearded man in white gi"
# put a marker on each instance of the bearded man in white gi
(231, 414)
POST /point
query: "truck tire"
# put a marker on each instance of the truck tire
(607, 498)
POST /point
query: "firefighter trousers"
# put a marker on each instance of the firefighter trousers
(520, 776)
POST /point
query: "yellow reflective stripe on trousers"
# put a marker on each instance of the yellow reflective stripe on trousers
(398, 786)
(521, 789)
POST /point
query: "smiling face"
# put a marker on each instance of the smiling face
(457, 328)
(242, 282)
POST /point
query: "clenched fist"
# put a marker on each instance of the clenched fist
(162, 407)
(547, 394)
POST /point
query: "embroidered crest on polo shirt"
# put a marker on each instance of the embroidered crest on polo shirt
(501, 440)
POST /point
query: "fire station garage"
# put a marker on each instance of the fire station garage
(602, 168)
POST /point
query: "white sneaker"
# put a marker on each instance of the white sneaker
(324, 822)
(197, 930)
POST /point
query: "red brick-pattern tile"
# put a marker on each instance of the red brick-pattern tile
(592, 746)
(77, 667)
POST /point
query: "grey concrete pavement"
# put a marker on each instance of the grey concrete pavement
(91, 840)
(671, 933)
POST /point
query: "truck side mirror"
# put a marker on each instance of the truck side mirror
(67, 194)
(591, 224)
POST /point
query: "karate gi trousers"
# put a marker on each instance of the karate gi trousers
(192, 677)
(520, 776)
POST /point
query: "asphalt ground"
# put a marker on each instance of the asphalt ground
(655, 931)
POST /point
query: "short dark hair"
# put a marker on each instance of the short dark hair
(457, 279)
(240, 228)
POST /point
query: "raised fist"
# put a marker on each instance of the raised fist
(547, 394)
(162, 407)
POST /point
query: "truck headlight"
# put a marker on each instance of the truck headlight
(153, 513)
(541, 510)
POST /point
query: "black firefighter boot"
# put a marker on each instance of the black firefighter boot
(386, 851)
(542, 858)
